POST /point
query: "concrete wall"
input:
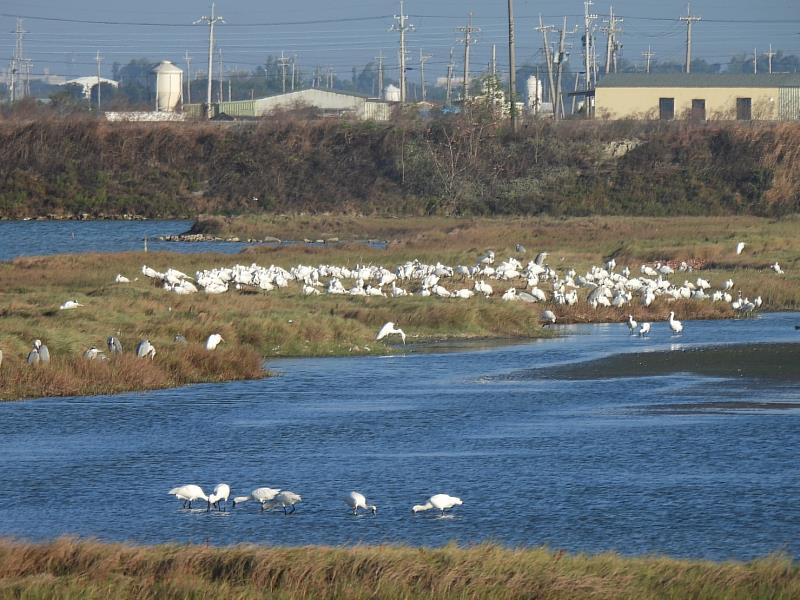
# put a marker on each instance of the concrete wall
(642, 102)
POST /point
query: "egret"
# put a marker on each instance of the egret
(114, 345)
(213, 341)
(221, 492)
(92, 353)
(389, 329)
(120, 278)
(777, 268)
(262, 495)
(739, 247)
(144, 349)
(440, 502)
(632, 324)
(356, 500)
(675, 326)
(644, 329)
(69, 305)
(188, 494)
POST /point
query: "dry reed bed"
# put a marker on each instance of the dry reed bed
(67, 568)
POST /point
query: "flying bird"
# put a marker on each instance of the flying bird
(389, 329)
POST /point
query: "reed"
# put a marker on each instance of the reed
(67, 568)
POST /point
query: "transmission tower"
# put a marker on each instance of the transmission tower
(402, 25)
(689, 19)
(468, 40)
(211, 22)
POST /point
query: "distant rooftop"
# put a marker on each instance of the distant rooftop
(705, 80)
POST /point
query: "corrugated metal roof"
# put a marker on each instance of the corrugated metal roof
(705, 80)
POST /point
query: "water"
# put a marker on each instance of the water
(39, 238)
(580, 465)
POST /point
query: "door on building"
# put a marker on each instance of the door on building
(666, 109)
(744, 109)
(698, 109)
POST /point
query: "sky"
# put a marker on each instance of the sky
(351, 33)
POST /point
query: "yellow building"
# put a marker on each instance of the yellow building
(699, 96)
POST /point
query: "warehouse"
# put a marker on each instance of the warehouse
(699, 96)
(327, 102)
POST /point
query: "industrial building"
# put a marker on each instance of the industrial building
(328, 102)
(699, 96)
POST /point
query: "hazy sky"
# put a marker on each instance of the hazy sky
(256, 29)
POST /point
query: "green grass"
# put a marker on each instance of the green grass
(285, 323)
(69, 569)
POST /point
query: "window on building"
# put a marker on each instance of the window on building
(744, 109)
(698, 109)
(666, 109)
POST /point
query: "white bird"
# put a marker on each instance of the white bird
(285, 498)
(220, 493)
(120, 278)
(644, 329)
(728, 284)
(548, 317)
(188, 494)
(739, 247)
(213, 341)
(389, 329)
(675, 326)
(632, 324)
(440, 502)
(144, 349)
(777, 268)
(39, 354)
(356, 500)
(262, 495)
(92, 353)
(69, 305)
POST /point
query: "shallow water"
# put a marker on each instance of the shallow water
(585, 465)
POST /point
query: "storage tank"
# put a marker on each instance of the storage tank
(533, 100)
(392, 93)
(169, 86)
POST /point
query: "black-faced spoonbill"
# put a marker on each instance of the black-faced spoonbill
(262, 495)
(389, 329)
(440, 502)
(632, 324)
(676, 326)
(644, 329)
(356, 500)
(548, 317)
(220, 493)
(188, 494)
(285, 498)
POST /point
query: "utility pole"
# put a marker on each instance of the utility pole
(294, 68)
(770, 54)
(211, 22)
(423, 58)
(561, 57)
(98, 59)
(221, 76)
(330, 78)
(283, 62)
(612, 45)
(401, 25)
(468, 41)
(379, 58)
(689, 19)
(755, 61)
(648, 56)
(548, 59)
(449, 93)
(188, 77)
(512, 68)
(588, 53)
(493, 61)
(17, 63)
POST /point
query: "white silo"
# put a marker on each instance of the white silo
(533, 100)
(169, 86)
(392, 93)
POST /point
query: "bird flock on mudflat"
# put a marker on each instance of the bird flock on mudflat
(273, 499)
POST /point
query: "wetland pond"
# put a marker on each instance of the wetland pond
(595, 440)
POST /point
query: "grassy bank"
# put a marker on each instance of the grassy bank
(69, 569)
(286, 323)
(443, 166)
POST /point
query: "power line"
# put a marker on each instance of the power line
(148, 24)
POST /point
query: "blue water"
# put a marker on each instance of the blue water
(579, 465)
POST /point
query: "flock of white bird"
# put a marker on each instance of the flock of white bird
(534, 282)
(272, 498)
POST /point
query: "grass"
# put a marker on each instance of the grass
(69, 569)
(284, 323)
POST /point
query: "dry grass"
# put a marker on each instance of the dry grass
(284, 323)
(67, 568)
